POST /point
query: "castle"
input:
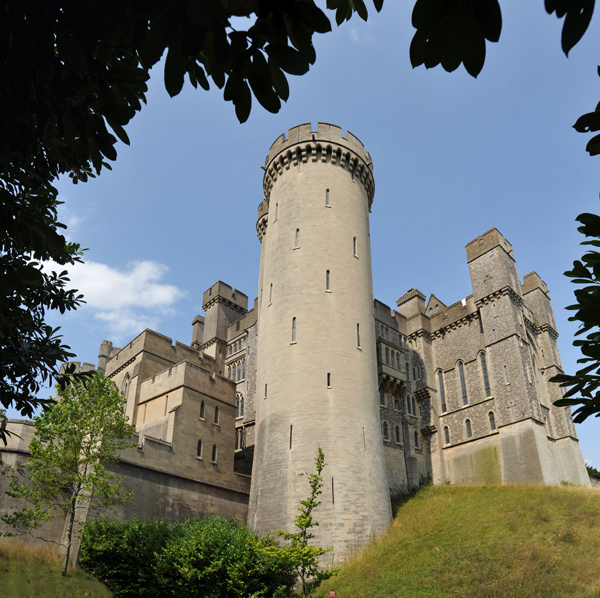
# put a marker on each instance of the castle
(458, 392)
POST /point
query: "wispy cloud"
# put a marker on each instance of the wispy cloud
(126, 300)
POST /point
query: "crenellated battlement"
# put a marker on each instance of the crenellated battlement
(325, 145)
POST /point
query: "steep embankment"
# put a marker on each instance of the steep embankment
(483, 542)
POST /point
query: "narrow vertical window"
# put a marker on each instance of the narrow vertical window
(396, 401)
(398, 434)
(446, 435)
(414, 404)
(241, 405)
(290, 438)
(202, 410)
(271, 293)
(328, 380)
(354, 246)
(199, 449)
(381, 396)
(300, 166)
(387, 356)
(506, 375)
(297, 237)
(442, 390)
(385, 431)
(239, 371)
(416, 439)
(407, 371)
(214, 453)
(243, 369)
(276, 210)
(492, 419)
(265, 391)
(468, 428)
(358, 335)
(387, 334)
(327, 281)
(293, 330)
(398, 361)
(237, 440)
(484, 373)
(327, 198)
(237, 406)
(229, 371)
(332, 492)
(463, 383)
(216, 415)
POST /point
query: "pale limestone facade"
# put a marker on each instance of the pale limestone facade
(457, 391)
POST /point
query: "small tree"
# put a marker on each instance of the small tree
(304, 556)
(75, 438)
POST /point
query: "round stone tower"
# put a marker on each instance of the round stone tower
(316, 359)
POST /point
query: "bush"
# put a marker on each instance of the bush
(212, 558)
(593, 472)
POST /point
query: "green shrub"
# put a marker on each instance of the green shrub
(592, 472)
(212, 558)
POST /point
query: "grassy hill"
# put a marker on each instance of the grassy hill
(482, 542)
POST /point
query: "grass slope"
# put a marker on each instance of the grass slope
(482, 542)
(35, 572)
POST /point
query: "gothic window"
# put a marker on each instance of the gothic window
(387, 356)
(446, 435)
(442, 390)
(297, 237)
(216, 415)
(492, 419)
(243, 369)
(468, 428)
(484, 373)
(398, 434)
(237, 406)
(241, 406)
(327, 197)
(126, 386)
(202, 410)
(214, 453)
(293, 330)
(239, 371)
(416, 439)
(463, 383)
(385, 431)
(199, 449)
(431, 311)
(381, 396)
(327, 281)
(437, 309)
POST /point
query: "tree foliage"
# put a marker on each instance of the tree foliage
(584, 385)
(304, 556)
(76, 437)
(73, 75)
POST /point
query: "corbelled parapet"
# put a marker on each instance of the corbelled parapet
(263, 217)
(326, 145)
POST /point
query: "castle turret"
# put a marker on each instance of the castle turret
(316, 360)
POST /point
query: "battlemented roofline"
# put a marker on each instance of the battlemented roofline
(325, 144)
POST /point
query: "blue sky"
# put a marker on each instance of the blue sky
(453, 157)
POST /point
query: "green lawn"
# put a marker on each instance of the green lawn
(483, 542)
(36, 573)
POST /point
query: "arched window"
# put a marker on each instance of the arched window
(202, 410)
(446, 435)
(416, 439)
(442, 390)
(387, 356)
(354, 245)
(199, 449)
(463, 383)
(385, 431)
(297, 237)
(214, 453)
(216, 415)
(398, 434)
(484, 373)
(293, 330)
(437, 308)
(327, 281)
(468, 428)
(126, 386)
(431, 311)
(327, 197)
(492, 419)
